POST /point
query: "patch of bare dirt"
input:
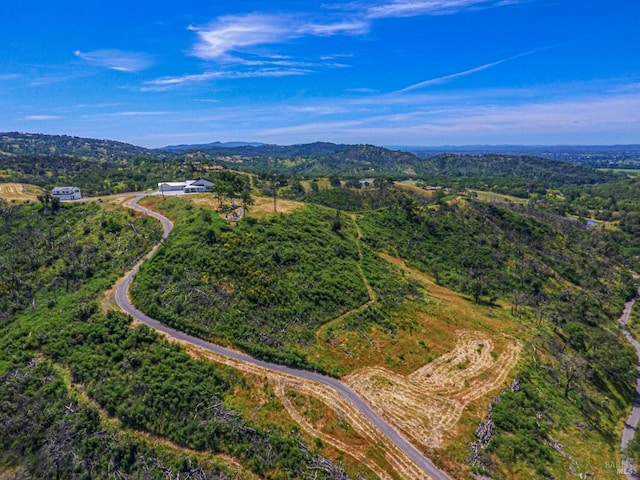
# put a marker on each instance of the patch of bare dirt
(428, 403)
(264, 206)
(109, 299)
(19, 192)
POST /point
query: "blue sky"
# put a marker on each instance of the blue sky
(386, 72)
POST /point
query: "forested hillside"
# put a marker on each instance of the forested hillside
(15, 143)
(267, 285)
(262, 150)
(482, 326)
(103, 167)
(264, 286)
(81, 391)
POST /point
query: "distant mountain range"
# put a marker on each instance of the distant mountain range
(16, 143)
(260, 149)
(592, 155)
(212, 145)
(512, 148)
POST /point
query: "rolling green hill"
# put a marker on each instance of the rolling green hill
(370, 283)
(83, 393)
(16, 143)
(269, 285)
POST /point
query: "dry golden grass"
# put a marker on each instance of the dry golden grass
(314, 420)
(263, 207)
(410, 186)
(498, 197)
(117, 200)
(323, 183)
(428, 403)
(19, 192)
(110, 201)
(432, 378)
(202, 199)
(387, 461)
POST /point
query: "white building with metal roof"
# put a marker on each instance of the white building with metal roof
(199, 185)
(66, 193)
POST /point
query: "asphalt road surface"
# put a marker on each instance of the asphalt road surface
(628, 468)
(123, 301)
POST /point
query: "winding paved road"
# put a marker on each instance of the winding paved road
(124, 303)
(631, 425)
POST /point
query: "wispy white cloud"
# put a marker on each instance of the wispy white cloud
(82, 106)
(401, 8)
(364, 90)
(232, 33)
(602, 112)
(246, 39)
(318, 110)
(171, 82)
(231, 36)
(251, 42)
(128, 116)
(336, 56)
(168, 83)
(49, 79)
(9, 76)
(344, 27)
(137, 113)
(118, 60)
(41, 118)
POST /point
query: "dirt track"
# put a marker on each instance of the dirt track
(427, 404)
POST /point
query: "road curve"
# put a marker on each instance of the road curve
(122, 300)
(631, 425)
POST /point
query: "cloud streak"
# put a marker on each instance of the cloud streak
(576, 113)
(168, 83)
(119, 60)
(401, 8)
(229, 36)
(244, 39)
(471, 71)
(41, 118)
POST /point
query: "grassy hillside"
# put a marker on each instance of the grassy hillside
(19, 192)
(264, 286)
(311, 288)
(84, 393)
(566, 294)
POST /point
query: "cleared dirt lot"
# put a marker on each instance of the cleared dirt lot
(428, 403)
(19, 192)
